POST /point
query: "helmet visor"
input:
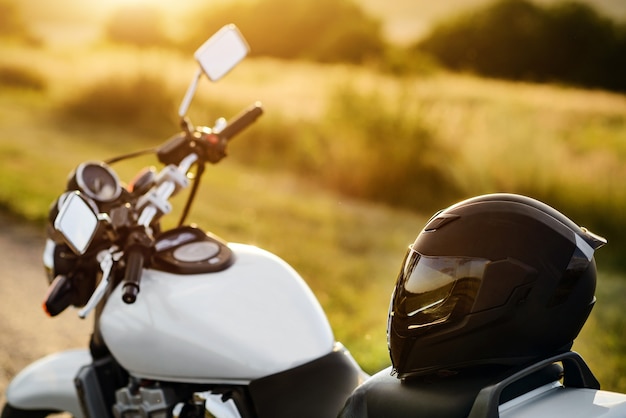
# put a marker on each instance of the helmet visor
(434, 290)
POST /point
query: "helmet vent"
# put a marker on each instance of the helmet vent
(565, 287)
(439, 221)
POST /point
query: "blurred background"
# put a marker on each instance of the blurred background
(378, 113)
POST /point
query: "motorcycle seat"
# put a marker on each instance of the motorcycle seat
(442, 395)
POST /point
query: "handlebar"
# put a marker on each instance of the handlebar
(179, 154)
(241, 121)
(212, 142)
(134, 266)
(156, 200)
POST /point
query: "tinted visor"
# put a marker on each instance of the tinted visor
(435, 290)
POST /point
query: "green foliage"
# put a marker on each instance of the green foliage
(384, 150)
(477, 40)
(366, 146)
(604, 333)
(137, 25)
(402, 61)
(21, 78)
(141, 103)
(517, 39)
(586, 48)
(320, 30)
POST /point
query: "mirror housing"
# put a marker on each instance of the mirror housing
(222, 52)
(77, 222)
(217, 56)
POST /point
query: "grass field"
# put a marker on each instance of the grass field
(506, 136)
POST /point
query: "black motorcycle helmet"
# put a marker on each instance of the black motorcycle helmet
(496, 279)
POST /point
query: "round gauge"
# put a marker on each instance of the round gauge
(98, 181)
(196, 251)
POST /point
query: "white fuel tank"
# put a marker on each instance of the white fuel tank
(252, 319)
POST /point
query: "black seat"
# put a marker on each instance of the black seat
(442, 395)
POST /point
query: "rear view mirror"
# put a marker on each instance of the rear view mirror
(77, 222)
(217, 56)
(222, 52)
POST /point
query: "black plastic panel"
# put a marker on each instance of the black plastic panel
(189, 250)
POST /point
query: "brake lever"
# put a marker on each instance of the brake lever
(106, 259)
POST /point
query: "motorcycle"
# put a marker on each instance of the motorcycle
(185, 323)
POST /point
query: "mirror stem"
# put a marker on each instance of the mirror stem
(186, 126)
(191, 90)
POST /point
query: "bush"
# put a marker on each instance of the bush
(516, 39)
(21, 78)
(320, 30)
(401, 61)
(384, 151)
(141, 103)
(364, 147)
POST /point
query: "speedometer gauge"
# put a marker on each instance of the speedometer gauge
(96, 180)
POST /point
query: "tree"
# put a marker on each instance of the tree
(516, 39)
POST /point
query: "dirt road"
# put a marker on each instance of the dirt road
(26, 333)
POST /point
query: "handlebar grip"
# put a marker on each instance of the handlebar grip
(134, 267)
(241, 121)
